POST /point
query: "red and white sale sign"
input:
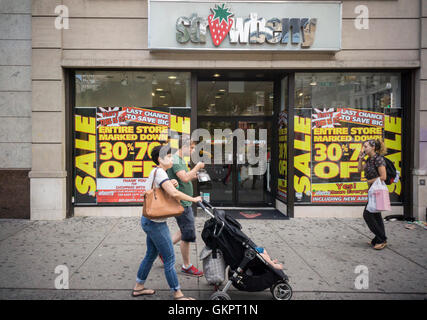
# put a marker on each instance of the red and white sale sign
(363, 117)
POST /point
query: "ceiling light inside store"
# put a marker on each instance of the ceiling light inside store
(172, 77)
(217, 75)
(153, 94)
(221, 90)
(162, 97)
(313, 82)
(217, 97)
(159, 89)
(300, 94)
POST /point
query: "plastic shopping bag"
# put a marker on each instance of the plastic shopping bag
(382, 199)
(378, 197)
(372, 204)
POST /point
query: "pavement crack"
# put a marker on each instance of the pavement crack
(14, 234)
(99, 244)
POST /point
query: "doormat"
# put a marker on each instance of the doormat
(256, 214)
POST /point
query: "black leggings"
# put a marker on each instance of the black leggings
(376, 225)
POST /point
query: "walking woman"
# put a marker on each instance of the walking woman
(158, 236)
(374, 167)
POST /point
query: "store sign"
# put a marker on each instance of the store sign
(268, 26)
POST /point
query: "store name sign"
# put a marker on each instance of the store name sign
(249, 30)
(234, 26)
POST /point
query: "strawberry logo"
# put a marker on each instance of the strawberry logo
(220, 23)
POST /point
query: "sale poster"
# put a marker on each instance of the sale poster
(302, 155)
(112, 151)
(326, 153)
(282, 183)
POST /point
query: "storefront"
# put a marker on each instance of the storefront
(119, 116)
(286, 69)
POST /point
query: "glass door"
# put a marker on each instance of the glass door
(253, 179)
(241, 107)
(220, 191)
(237, 180)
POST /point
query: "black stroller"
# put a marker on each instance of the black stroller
(248, 270)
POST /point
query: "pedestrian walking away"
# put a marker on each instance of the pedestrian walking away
(159, 240)
(374, 167)
(187, 231)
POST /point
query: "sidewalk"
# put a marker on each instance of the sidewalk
(103, 255)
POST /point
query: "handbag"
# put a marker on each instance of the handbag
(158, 204)
(213, 265)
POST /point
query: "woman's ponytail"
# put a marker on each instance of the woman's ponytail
(380, 147)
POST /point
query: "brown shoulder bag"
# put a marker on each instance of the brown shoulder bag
(158, 204)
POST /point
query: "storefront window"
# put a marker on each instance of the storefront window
(119, 117)
(367, 91)
(235, 98)
(132, 88)
(334, 114)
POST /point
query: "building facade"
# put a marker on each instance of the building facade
(110, 80)
(15, 108)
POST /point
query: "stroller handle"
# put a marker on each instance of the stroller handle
(201, 205)
(207, 204)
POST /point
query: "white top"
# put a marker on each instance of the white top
(161, 176)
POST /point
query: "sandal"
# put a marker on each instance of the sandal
(184, 298)
(143, 294)
(380, 246)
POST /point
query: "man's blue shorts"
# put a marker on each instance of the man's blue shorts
(186, 225)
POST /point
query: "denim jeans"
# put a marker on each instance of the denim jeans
(158, 241)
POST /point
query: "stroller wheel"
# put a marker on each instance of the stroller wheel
(281, 290)
(219, 295)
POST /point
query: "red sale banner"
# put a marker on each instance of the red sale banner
(367, 118)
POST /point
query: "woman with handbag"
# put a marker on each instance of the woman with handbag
(374, 167)
(159, 240)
